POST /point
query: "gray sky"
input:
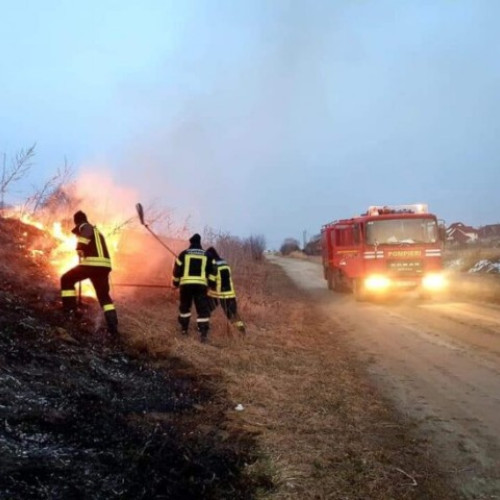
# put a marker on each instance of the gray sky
(267, 117)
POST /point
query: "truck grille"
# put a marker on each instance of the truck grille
(405, 266)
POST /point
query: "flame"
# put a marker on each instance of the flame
(134, 254)
(63, 256)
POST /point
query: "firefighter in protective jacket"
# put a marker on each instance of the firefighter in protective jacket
(193, 274)
(223, 291)
(95, 264)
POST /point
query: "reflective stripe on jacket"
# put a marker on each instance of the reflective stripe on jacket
(193, 267)
(92, 245)
(224, 288)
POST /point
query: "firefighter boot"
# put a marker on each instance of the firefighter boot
(203, 329)
(69, 305)
(240, 326)
(112, 322)
(184, 322)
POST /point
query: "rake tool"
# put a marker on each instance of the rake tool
(140, 213)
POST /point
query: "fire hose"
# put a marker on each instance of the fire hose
(79, 284)
(142, 285)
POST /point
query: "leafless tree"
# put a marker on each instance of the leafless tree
(51, 196)
(164, 222)
(17, 169)
(256, 244)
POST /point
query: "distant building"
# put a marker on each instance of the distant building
(460, 234)
(490, 233)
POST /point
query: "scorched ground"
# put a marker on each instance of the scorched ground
(82, 420)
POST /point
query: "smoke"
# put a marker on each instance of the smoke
(222, 128)
(101, 198)
(138, 259)
(301, 110)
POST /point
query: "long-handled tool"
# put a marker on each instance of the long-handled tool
(140, 213)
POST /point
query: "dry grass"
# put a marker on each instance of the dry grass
(323, 431)
(472, 286)
(467, 257)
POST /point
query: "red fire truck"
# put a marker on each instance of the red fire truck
(386, 249)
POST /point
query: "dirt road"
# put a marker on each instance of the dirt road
(439, 362)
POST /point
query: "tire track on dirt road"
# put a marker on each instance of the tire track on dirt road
(438, 362)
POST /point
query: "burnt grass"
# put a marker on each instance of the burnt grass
(80, 418)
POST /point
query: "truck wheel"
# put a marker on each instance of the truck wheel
(329, 279)
(337, 283)
(359, 290)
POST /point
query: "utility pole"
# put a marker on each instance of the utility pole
(304, 237)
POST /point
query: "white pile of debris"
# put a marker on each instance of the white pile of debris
(485, 266)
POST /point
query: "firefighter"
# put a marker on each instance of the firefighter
(193, 274)
(95, 264)
(224, 290)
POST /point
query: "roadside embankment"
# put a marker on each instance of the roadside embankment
(475, 286)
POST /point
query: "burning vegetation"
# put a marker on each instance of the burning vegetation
(127, 242)
(80, 420)
(156, 417)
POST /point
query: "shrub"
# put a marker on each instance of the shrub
(256, 244)
(289, 245)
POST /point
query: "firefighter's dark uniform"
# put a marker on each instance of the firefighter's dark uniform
(193, 273)
(95, 264)
(224, 291)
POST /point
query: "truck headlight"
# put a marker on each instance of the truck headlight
(377, 283)
(434, 281)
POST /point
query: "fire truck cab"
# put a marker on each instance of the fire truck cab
(386, 249)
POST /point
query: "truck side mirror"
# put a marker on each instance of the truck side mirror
(442, 232)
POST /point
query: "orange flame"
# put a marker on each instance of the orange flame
(135, 255)
(63, 256)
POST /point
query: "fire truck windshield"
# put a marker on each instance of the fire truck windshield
(401, 231)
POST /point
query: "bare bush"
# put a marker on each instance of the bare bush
(313, 246)
(52, 197)
(162, 219)
(229, 247)
(256, 244)
(289, 245)
(236, 251)
(19, 167)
